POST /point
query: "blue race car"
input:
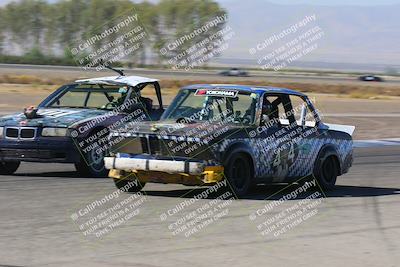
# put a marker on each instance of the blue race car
(71, 125)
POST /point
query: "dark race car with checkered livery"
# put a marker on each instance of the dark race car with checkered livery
(69, 125)
(248, 135)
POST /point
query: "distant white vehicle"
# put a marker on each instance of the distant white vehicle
(370, 78)
(234, 72)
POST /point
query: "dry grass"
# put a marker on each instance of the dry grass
(30, 79)
(348, 90)
(362, 95)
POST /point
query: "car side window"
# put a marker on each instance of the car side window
(299, 106)
(98, 99)
(145, 99)
(148, 97)
(274, 111)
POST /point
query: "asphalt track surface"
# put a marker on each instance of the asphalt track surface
(358, 224)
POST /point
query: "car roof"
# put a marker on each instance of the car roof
(246, 88)
(128, 80)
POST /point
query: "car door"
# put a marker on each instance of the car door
(308, 139)
(276, 153)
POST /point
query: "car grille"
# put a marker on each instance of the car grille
(153, 145)
(12, 133)
(145, 145)
(20, 132)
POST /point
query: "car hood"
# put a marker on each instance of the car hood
(51, 117)
(173, 129)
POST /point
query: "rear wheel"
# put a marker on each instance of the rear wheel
(129, 185)
(239, 173)
(327, 172)
(8, 167)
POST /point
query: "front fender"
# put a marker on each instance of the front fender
(89, 125)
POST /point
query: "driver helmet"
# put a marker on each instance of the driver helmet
(267, 107)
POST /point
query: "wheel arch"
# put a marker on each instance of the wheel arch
(91, 132)
(243, 148)
(326, 151)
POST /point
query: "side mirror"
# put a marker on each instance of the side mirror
(303, 115)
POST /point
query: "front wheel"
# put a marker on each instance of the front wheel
(92, 161)
(8, 167)
(239, 174)
(92, 165)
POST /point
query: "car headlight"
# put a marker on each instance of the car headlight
(54, 132)
(1, 132)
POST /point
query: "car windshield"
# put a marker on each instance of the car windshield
(90, 96)
(213, 104)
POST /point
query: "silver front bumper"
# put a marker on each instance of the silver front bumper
(170, 166)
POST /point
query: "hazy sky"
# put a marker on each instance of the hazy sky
(333, 2)
(294, 2)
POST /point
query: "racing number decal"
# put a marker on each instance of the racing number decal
(292, 156)
(284, 157)
(277, 160)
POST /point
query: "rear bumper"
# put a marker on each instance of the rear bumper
(347, 163)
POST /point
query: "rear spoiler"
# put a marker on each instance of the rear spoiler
(349, 129)
(325, 126)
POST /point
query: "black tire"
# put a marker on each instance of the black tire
(238, 171)
(8, 167)
(92, 163)
(327, 172)
(122, 184)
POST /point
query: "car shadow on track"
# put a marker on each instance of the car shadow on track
(55, 174)
(275, 192)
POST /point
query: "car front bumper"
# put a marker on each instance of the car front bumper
(170, 166)
(164, 170)
(54, 149)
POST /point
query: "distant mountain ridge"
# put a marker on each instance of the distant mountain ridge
(353, 34)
